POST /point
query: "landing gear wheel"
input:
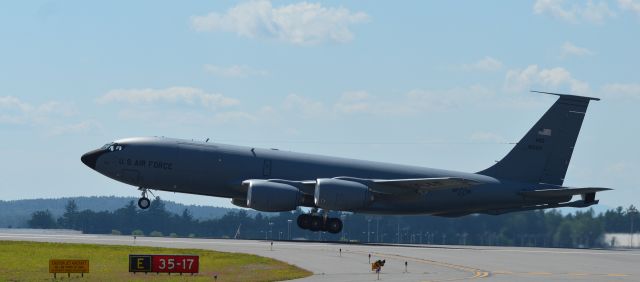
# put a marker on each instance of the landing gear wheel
(144, 203)
(317, 223)
(304, 221)
(334, 225)
(314, 222)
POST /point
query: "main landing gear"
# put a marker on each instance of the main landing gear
(144, 202)
(316, 222)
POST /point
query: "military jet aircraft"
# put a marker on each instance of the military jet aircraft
(529, 177)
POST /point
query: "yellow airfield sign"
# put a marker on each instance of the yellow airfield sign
(68, 266)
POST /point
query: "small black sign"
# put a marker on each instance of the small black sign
(139, 263)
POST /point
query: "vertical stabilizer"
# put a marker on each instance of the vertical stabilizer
(543, 154)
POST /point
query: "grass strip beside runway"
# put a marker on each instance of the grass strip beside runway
(29, 261)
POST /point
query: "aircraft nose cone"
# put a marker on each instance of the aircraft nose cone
(90, 158)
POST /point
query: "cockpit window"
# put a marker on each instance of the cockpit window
(113, 147)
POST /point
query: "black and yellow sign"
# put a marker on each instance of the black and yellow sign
(139, 263)
(68, 266)
(164, 263)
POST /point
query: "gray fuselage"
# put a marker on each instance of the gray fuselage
(218, 170)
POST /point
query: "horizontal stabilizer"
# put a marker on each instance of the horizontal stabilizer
(567, 95)
(574, 204)
(554, 193)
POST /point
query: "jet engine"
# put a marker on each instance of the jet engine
(270, 196)
(342, 195)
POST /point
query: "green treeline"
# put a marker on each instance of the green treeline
(532, 228)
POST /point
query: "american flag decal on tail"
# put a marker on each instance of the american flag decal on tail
(545, 132)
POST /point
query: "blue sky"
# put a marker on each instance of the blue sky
(437, 84)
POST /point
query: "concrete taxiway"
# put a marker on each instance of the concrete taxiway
(424, 262)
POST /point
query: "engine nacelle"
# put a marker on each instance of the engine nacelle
(341, 195)
(270, 196)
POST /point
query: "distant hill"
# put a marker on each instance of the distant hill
(16, 213)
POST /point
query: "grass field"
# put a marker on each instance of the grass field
(29, 261)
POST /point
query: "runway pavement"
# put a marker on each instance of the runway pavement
(424, 262)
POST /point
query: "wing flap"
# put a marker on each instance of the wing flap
(420, 185)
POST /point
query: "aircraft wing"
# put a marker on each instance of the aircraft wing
(554, 193)
(392, 186)
(420, 185)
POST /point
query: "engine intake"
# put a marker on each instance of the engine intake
(342, 195)
(270, 196)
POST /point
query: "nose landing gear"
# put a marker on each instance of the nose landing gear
(315, 222)
(144, 202)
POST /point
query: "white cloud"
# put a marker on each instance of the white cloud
(576, 12)
(630, 91)
(361, 102)
(620, 168)
(485, 64)
(354, 102)
(630, 5)
(301, 23)
(74, 128)
(555, 8)
(13, 102)
(51, 118)
(15, 111)
(233, 116)
(597, 13)
(554, 79)
(234, 71)
(306, 106)
(415, 101)
(186, 95)
(173, 118)
(568, 49)
(420, 100)
(487, 137)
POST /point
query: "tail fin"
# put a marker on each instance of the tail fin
(543, 154)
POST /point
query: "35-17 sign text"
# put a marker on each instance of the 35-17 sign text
(164, 263)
